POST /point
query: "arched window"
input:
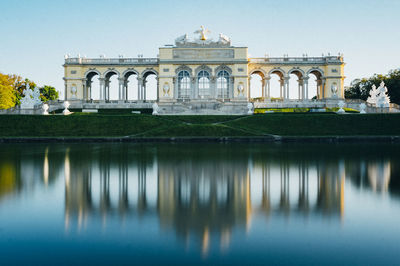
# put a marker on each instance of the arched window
(222, 84)
(183, 84)
(204, 84)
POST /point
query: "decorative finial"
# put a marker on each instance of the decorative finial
(203, 32)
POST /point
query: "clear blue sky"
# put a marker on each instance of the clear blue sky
(35, 35)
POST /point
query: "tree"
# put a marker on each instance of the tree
(48, 93)
(7, 95)
(360, 89)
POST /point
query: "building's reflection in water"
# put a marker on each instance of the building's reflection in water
(202, 196)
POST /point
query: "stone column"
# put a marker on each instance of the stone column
(121, 94)
(301, 95)
(305, 88)
(193, 88)
(84, 89)
(102, 89)
(139, 82)
(175, 85)
(323, 82)
(65, 90)
(319, 85)
(213, 87)
(268, 88)
(231, 87)
(282, 91)
(286, 87)
(144, 89)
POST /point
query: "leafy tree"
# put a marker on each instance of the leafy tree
(360, 88)
(7, 95)
(48, 93)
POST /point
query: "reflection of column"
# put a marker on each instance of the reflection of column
(104, 188)
(142, 204)
(266, 188)
(123, 201)
(303, 203)
(284, 199)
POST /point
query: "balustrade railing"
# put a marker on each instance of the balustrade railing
(290, 60)
(111, 61)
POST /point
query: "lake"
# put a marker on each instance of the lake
(200, 203)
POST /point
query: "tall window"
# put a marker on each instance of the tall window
(204, 84)
(183, 84)
(222, 84)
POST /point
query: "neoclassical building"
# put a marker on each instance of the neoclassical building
(206, 71)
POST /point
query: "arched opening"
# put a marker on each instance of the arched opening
(223, 84)
(315, 85)
(131, 86)
(295, 84)
(183, 84)
(276, 84)
(150, 85)
(256, 85)
(92, 90)
(112, 86)
(203, 80)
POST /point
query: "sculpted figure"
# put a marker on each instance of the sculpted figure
(166, 90)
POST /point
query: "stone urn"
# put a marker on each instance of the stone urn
(363, 106)
(341, 104)
(66, 111)
(45, 109)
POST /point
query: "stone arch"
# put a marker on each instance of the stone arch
(88, 88)
(222, 68)
(150, 85)
(129, 72)
(257, 83)
(277, 71)
(319, 73)
(184, 68)
(107, 73)
(203, 68)
(296, 71)
(149, 71)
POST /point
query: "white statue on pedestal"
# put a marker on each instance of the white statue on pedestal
(250, 106)
(155, 109)
(66, 111)
(31, 98)
(378, 96)
(45, 108)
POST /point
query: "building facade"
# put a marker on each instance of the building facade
(204, 70)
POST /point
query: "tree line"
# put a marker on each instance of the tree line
(12, 88)
(359, 89)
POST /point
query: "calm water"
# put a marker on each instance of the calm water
(200, 203)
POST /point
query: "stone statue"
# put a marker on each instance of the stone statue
(203, 32)
(73, 92)
(155, 109)
(240, 89)
(45, 108)
(66, 111)
(223, 39)
(250, 106)
(334, 90)
(181, 40)
(31, 98)
(166, 90)
(378, 96)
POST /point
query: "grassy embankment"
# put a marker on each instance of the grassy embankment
(133, 125)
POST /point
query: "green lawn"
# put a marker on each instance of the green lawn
(135, 125)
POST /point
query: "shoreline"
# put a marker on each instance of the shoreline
(264, 139)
